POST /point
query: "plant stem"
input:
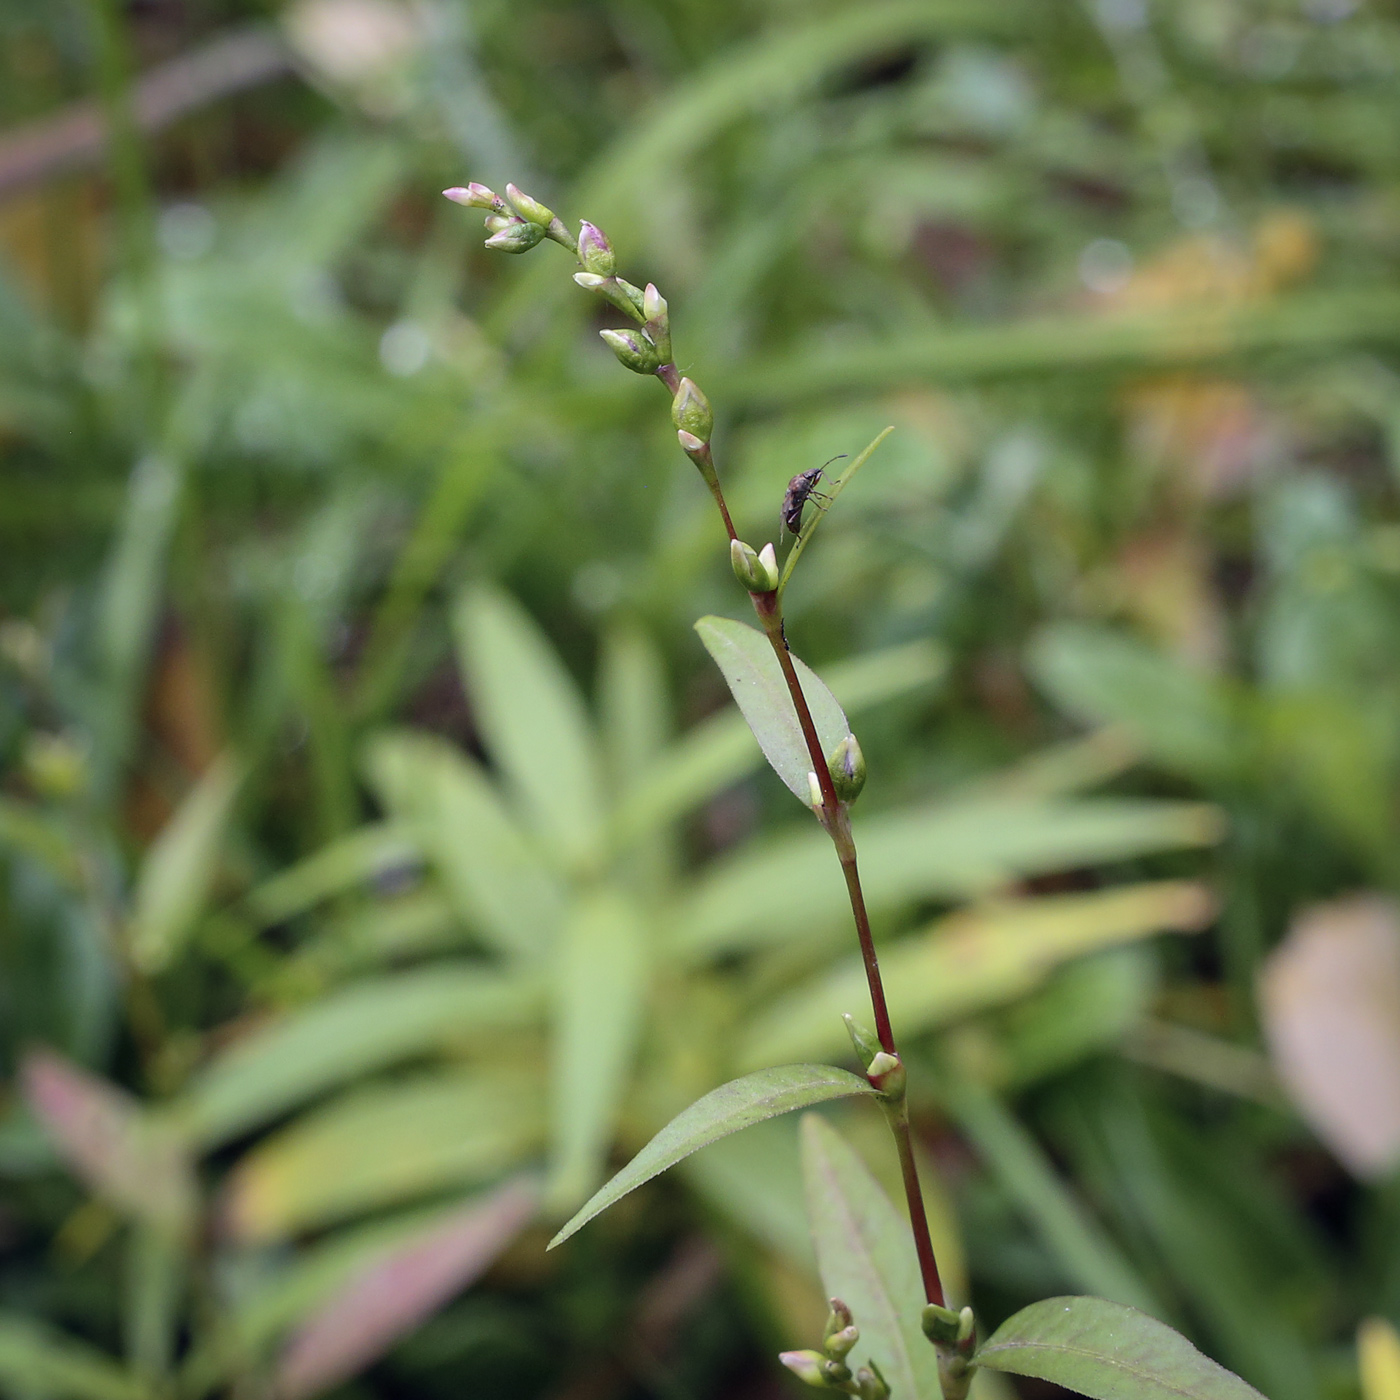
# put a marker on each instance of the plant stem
(836, 819)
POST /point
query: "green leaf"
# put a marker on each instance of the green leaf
(364, 1027)
(820, 508)
(179, 868)
(1107, 1351)
(384, 1144)
(721, 750)
(600, 984)
(355, 859)
(534, 719)
(966, 847)
(739, 1104)
(1178, 715)
(756, 682)
(971, 960)
(38, 1360)
(498, 884)
(866, 1256)
(397, 1292)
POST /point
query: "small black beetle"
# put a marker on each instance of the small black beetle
(799, 491)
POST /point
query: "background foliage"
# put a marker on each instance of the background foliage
(380, 855)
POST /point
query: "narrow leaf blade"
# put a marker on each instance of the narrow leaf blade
(739, 1104)
(755, 680)
(397, 1292)
(367, 1026)
(180, 867)
(35, 1359)
(1107, 1351)
(534, 719)
(867, 1259)
(600, 988)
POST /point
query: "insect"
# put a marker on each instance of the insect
(799, 491)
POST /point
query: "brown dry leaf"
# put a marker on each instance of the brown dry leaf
(1330, 1002)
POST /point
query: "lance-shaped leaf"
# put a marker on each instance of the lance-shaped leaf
(739, 1104)
(127, 1155)
(499, 885)
(866, 1256)
(600, 982)
(1107, 1351)
(756, 682)
(180, 867)
(36, 1360)
(364, 1027)
(381, 1145)
(534, 719)
(974, 959)
(398, 1291)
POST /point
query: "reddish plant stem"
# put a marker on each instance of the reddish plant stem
(835, 819)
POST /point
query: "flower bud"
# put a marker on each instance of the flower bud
(756, 573)
(475, 196)
(870, 1385)
(839, 1344)
(807, 1366)
(636, 298)
(590, 281)
(886, 1073)
(847, 765)
(529, 209)
(941, 1325)
(658, 321)
(634, 350)
(838, 1318)
(691, 410)
(594, 250)
(691, 445)
(815, 800)
(867, 1047)
(516, 236)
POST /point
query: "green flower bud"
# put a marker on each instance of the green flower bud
(839, 1344)
(658, 321)
(590, 281)
(807, 1366)
(594, 250)
(940, 1324)
(691, 411)
(634, 350)
(870, 1384)
(867, 1047)
(757, 573)
(475, 196)
(636, 298)
(516, 236)
(847, 765)
(529, 209)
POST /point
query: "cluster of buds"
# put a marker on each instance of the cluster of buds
(827, 1369)
(517, 222)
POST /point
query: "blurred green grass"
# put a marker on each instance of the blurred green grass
(348, 689)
